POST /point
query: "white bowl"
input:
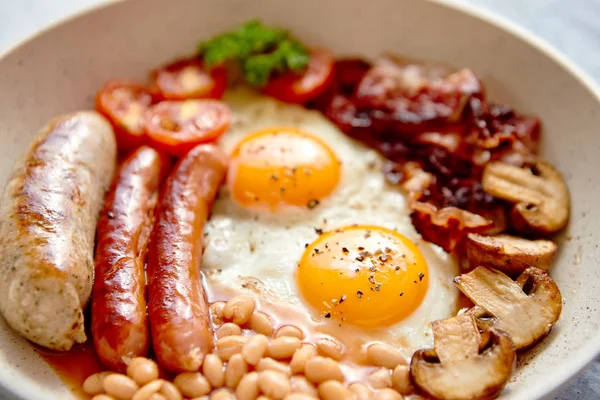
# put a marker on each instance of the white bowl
(60, 70)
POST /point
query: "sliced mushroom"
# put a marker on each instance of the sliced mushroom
(509, 254)
(539, 193)
(457, 369)
(526, 308)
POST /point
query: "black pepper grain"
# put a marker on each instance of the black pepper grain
(312, 204)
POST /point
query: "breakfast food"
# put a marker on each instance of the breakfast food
(332, 228)
(456, 369)
(526, 308)
(47, 223)
(179, 316)
(119, 322)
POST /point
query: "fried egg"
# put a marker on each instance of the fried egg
(308, 226)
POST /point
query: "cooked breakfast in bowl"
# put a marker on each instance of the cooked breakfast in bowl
(266, 220)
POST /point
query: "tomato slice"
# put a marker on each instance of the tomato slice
(177, 126)
(188, 79)
(300, 88)
(124, 103)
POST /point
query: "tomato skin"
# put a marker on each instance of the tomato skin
(301, 88)
(175, 126)
(123, 104)
(188, 79)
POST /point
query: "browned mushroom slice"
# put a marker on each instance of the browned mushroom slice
(526, 308)
(539, 193)
(509, 254)
(457, 369)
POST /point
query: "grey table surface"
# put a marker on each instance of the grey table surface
(572, 26)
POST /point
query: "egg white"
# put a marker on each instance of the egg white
(253, 252)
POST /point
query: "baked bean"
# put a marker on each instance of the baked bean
(301, 385)
(401, 379)
(320, 369)
(205, 397)
(103, 397)
(361, 391)
(301, 356)
(331, 348)
(170, 391)
(239, 309)
(248, 387)
(212, 368)
(216, 312)
(261, 323)
(255, 348)
(299, 396)
(222, 394)
(119, 386)
(263, 397)
(148, 390)
(274, 384)
(142, 370)
(283, 347)
(268, 364)
(192, 384)
(382, 355)
(334, 390)
(157, 396)
(93, 383)
(236, 368)
(381, 378)
(228, 329)
(290, 330)
(230, 345)
(387, 394)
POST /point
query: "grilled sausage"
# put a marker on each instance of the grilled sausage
(48, 220)
(177, 307)
(119, 322)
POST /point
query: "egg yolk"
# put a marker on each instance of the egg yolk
(282, 166)
(363, 275)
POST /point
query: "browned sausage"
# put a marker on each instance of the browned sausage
(177, 307)
(119, 322)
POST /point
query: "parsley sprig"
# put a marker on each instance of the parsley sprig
(260, 51)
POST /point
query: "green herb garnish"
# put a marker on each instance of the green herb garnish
(260, 51)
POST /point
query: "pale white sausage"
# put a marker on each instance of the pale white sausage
(48, 218)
